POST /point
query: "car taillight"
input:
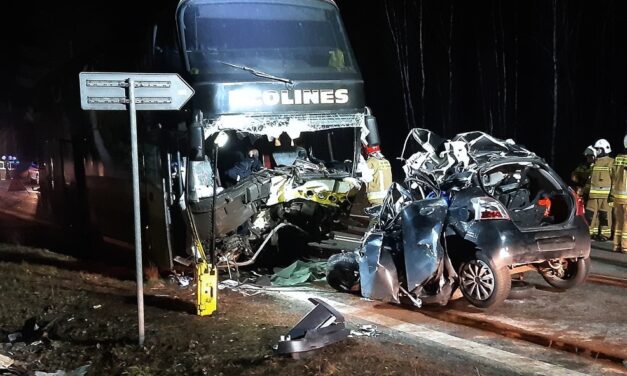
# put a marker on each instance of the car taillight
(488, 208)
(581, 208)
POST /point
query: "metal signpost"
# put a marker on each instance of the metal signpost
(132, 92)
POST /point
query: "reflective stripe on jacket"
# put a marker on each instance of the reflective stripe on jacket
(619, 179)
(601, 179)
(382, 178)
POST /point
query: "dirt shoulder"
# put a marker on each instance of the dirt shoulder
(86, 315)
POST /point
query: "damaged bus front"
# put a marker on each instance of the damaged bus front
(277, 79)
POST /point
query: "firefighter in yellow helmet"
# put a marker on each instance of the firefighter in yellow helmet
(381, 175)
(598, 211)
(618, 195)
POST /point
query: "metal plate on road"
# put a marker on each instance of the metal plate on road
(153, 91)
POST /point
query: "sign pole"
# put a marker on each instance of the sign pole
(116, 91)
(139, 272)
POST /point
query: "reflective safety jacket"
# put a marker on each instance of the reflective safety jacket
(601, 179)
(619, 179)
(382, 179)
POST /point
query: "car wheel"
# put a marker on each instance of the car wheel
(566, 273)
(482, 284)
(343, 272)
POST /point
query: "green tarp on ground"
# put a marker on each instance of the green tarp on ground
(300, 272)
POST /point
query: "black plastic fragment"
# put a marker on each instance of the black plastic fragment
(322, 326)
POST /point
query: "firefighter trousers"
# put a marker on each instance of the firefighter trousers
(599, 215)
(620, 232)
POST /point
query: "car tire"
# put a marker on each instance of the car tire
(343, 272)
(491, 289)
(576, 274)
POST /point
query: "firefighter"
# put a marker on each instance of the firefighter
(618, 196)
(581, 175)
(598, 210)
(381, 175)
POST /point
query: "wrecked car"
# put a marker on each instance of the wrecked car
(472, 212)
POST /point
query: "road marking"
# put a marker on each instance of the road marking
(509, 361)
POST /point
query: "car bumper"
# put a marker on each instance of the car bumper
(507, 245)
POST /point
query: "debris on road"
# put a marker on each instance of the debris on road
(183, 261)
(366, 330)
(32, 333)
(80, 371)
(184, 280)
(242, 288)
(5, 362)
(300, 272)
(321, 327)
(14, 336)
(228, 284)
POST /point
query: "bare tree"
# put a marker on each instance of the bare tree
(399, 35)
(497, 69)
(422, 69)
(515, 120)
(450, 68)
(482, 90)
(555, 82)
(504, 66)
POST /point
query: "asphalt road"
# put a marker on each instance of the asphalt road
(580, 331)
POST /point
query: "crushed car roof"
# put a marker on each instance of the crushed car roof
(439, 158)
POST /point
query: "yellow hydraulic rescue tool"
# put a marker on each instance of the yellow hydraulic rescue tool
(207, 281)
(206, 275)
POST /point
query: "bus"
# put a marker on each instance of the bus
(277, 78)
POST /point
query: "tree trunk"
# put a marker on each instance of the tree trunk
(450, 71)
(422, 71)
(403, 64)
(555, 82)
(497, 71)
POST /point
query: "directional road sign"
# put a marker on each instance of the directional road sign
(153, 91)
(133, 92)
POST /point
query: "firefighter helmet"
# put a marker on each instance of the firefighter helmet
(604, 145)
(371, 149)
(590, 151)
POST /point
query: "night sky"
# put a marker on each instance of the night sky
(487, 65)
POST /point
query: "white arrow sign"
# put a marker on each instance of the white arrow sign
(153, 91)
(133, 92)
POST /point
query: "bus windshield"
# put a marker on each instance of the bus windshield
(298, 40)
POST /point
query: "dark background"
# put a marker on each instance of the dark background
(450, 66)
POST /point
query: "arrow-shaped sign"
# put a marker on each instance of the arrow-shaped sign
(133, 92)
(153, 91)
